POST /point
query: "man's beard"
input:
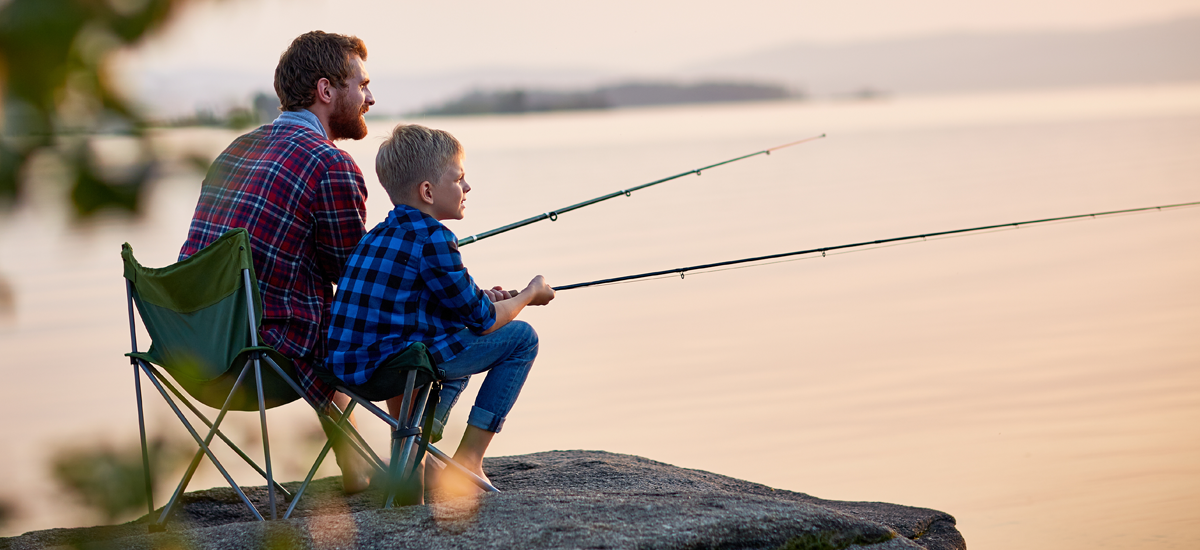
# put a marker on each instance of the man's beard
(346, 121)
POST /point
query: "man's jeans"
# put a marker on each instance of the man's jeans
(506, 355)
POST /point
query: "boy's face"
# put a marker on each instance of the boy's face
(449, 193)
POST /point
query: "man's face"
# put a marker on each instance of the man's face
(449, 193)
(350, 103)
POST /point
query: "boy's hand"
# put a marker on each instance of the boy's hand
(536, 293)
(497, 293)
(540, 293)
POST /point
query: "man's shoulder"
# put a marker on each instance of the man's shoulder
(291, 142)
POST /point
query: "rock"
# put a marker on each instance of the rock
(558, 499)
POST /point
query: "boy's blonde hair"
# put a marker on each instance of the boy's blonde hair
(411, 155)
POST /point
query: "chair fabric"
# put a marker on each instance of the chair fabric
(196, 313)
(386, 382)
(202, 314)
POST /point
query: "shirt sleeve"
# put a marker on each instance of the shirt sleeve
(443, 273)
(340, 213)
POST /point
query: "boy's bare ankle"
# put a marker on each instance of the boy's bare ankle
(454, 483)
(475, 464)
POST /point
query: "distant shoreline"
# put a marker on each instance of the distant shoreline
(632, 94)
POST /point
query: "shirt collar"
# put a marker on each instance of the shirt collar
(303, 117)
(404, 210)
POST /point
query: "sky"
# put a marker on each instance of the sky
(216, 54)
(631, 36)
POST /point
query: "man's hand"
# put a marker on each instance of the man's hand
(540, 293)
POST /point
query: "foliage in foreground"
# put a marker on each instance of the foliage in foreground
(57, 95)
(110, 481)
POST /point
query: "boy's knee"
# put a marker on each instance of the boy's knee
(526, 333)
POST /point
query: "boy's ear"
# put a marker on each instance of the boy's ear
(425, 192)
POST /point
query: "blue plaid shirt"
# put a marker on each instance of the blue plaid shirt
(404, 283)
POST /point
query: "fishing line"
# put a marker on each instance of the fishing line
(856, 250)
(844, 248)
(553, 214)
(802, 258)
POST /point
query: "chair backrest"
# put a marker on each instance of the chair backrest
(196, 313)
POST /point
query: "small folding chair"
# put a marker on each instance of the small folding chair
(202, 315)
(412, 431)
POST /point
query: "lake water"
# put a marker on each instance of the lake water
(1040, 384)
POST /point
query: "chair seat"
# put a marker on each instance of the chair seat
(389, 378)
(213, 392)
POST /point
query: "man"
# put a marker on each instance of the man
(302, 200)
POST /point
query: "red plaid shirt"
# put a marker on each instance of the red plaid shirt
(303, 201)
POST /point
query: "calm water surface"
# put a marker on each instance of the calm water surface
(1042, 384)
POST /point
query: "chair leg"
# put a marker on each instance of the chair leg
(359, 444)
(415, 419)
(410, 438)
(262, 407)
(308, 479)
(339, 423)
(160, 524)
(399, 458)
(356, 441)
(137, 385)
(249, 461)
(203, 445)
(137, 388)
(262, 416)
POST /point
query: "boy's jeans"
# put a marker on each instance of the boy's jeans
(506, 355)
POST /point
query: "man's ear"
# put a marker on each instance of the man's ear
(324, 91)
(425, 192)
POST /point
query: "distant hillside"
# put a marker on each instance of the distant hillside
(624, 95)
(1146, 54)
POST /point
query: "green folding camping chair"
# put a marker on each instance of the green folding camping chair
(202, 315)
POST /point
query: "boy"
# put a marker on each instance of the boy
(405, 283)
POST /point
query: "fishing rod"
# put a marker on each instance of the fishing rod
(553, 214)
(682, 270)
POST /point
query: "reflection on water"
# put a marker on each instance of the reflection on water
(1039, 383)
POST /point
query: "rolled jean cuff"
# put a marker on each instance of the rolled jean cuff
(485, 420)
(438, 428)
